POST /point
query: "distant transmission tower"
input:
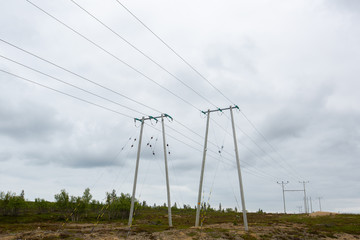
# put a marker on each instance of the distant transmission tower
(320, 202)
(305, 201)
(283, 190)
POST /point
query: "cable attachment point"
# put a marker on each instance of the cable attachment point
(153, 118)
(135, 120)
(203, 115)
(168, 117)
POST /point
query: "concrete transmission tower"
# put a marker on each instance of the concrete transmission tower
(142, 121)
(198, 205)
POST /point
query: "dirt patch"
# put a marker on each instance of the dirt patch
(320, 214)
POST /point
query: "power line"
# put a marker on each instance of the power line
(69, 95)
(103, 49)
(268, 143)
(210, 150)
(95, 83)
(229, 162)
(261, 148)
(172, 49)
(77, 75)
(32, 54)
(251, 151)
(142, 52)
(247, 164)
(113, 55)
(125, 63)
(94, 104)
(197, 72)
(72, 85)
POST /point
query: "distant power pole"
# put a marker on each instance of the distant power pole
(283, 190)
(320, 202)
(311, 205)
(295, 190)
(305, 202)
(300, 209)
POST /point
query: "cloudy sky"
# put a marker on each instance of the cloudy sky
(292, 67)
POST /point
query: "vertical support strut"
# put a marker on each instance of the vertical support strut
(239, 172)
(166, 171)
(136, 173)
(202, 171)
(283, 190)
(305, 200)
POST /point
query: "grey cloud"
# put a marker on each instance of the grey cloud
(239, 58)
(304, 102)
(305, 108)
(345, 5)
(28, 121)
(5, 156)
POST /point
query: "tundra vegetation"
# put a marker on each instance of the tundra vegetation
(82, 217)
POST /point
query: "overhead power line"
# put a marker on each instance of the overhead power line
(77, 75)
(64, 82)
(253, 172)
(95, 83)
(66, 94)
(266, 154)
(143, 53)
(175, 52)
(72, 85)
(202, 76)
(113, 55)
(268, 143)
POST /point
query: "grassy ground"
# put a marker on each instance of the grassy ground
(153, 224)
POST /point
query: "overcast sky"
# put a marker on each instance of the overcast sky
(292, 67)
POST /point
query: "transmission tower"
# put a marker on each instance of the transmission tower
(305, 201)
(142, 121)
(283, 190)
(237, 163)
(320, 202)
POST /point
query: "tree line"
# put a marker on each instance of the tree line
(77, 208)
(68, 207)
